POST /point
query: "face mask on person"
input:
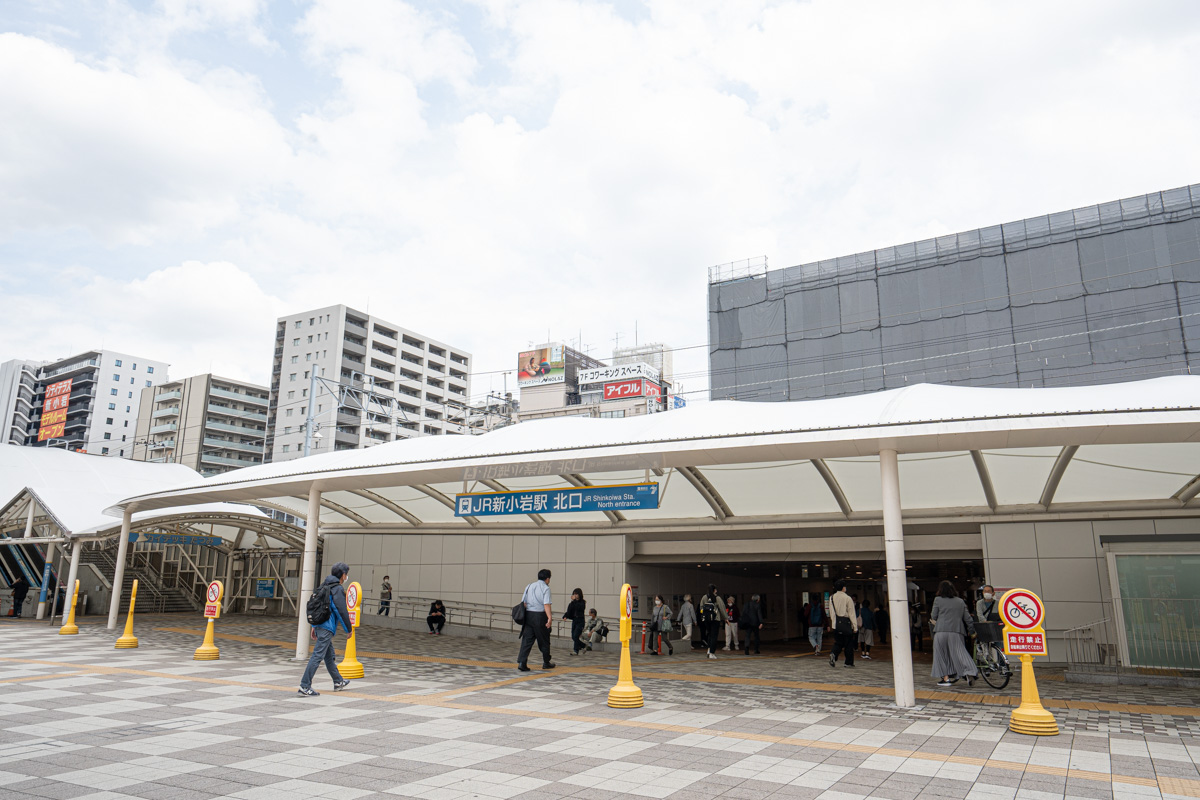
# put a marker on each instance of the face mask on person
(988, 595)
(658, 602)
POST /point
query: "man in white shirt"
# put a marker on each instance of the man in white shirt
(537, 621)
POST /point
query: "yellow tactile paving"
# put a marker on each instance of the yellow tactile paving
(1178, 786)
(41, 677)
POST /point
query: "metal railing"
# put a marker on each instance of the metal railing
(474, 615)
(1159, 635)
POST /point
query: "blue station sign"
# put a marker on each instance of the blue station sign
(182, 538)
(629, 497)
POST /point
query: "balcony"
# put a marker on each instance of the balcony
(169, 427)
(346, 418)
(346, 438)
(361, 325)
(170, 411)
(354, 347)
(168, 396)
(63, 370)
(236, 413)
(238, 429)
(162, 444)
(241, 397)
(232, 462)
(244, 447)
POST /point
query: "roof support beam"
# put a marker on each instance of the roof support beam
(575, 479)
(341, 509)
(1060, 466)
(444, 500)
(395, 508)
(497, 486)
(709, 492)
(985, 478)
(835, 488)
(1188, 491)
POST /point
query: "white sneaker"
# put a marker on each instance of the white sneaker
(712, 655)
(726, 649)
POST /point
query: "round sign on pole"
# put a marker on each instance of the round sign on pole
(1022, 610)
(214, 591)
(352, 595)
(629, 603)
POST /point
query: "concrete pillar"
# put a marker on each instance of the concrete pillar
(897, 580)
(72, 575)
(308, 570)
(41, 609)
(118, 586)
(29, 519)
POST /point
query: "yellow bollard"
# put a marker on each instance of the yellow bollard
(69, 627)
(351, 667)
(625, 694)
(212, 609)
(208, 650)
(1031, 717)
(128, 639)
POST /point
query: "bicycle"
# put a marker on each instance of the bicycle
(989, 656)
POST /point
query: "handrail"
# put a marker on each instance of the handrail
(477, 615)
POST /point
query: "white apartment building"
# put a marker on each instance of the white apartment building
(379, 382)
(205, 422)
(105, 393)
(656, 354)
(18, 385)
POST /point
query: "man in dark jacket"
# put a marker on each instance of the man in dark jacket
(751, 622)
(19, 590)
(323, 651)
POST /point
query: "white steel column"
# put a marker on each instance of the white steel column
(29, 519)
(45, 593)
(72, 575)
(308, 570)
(897, 580)
(118, 586)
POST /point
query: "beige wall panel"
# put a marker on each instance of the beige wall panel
(405, 580)
(581, 549)
(552, 549)
(582, 576)
(475, 579)
(1072, 579)
(937, 542)
(499, 578)
(500, 549)
(1010, 540)
(521, 576)
(1010, 573)
(475, 549)
(610, 576)
(1065, 540)
(334, 550)
(610, 548)
(410, 548)
(429, 582)
(524, 550)
(372, 549)
(351, 550)
(1062, 615)
(431, 549)
(452, 580)
(1169, 526)
(1122, 527)
(390, 549)
(503, 598)
(371, 584)
(454, 549)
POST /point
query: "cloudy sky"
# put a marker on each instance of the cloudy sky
(176, 174)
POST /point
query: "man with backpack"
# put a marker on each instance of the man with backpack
(537, 621)
(326, 608)
(712, 618)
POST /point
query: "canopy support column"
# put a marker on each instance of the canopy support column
(308, 571)
(72, 576)
(51, 549)
(118, 586)
(29, 519)
(897, 580)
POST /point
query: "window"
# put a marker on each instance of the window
(148, 384)
(292, 376)
(126, 423)
(288, 412)
(131, 380)
(299, 323)
(312, 321)
(122, 437)
(308, 356)
(295, 359)
(305, 374)
(103, 451)
(107, 435)
(287, 429)
(131, 395)
(112, 406)
(133, 367)
(304, 392)
(108, 421)
(296, 341)
(116, 377)
(310, 338)
(122, 453)
(291, 395)
(117, 362)
(303, 410)
(149, 371)
(113, 392)
(126, 409)
(287, 448)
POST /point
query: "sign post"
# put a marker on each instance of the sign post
(128, 639)
(1023, 614)
(625, 694)
(69, 627)
(212, 610)
(350, 666)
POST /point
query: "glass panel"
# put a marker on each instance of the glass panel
(1160, 602)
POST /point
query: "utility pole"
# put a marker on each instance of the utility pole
(308, 419)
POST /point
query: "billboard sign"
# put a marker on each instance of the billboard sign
(54, 410)
(630, 497)
(541, 366)
(619, 372)
(678, 402)
(637, 387)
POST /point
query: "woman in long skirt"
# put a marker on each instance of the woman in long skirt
(950, 621)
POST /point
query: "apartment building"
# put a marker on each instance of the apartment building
(90, 401)
(367, 380)
(656, 354)
(18, 385)
(209, 423)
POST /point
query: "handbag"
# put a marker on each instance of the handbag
(518, 612)
(843, 625)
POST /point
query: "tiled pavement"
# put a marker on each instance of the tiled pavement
(80, 719)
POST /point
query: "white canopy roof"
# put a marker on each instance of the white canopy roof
(74, 489)
(973, 450)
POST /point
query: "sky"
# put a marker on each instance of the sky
(176, 174)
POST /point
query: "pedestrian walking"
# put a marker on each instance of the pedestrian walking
(987, 607)
(951, 621)
(437, 618)
(326, 610)
(816, 626)
(660, 627)
(537, 621)
(687, 618)
(385, 596)
(751, 623)
(576, 613)
(712, 618)
(20, 588)
(731, 622)
(866, 631)
(882, 621)
(845, 625)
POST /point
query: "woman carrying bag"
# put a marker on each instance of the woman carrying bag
(660, 627)
(576, 611)
(950, 622)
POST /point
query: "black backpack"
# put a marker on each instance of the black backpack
(708, 609)
(318, 605)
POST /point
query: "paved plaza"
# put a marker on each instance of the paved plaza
(449, 717)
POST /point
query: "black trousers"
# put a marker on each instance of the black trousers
(576, 632)
(844, 643)
(712, 634)
(747, 634)
(439, 622)
(385, 607)
(535, 630)
(918, 639)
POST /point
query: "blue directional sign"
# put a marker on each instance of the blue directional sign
(182, 538)
(630, 497)
(264, 588)
(679, 402)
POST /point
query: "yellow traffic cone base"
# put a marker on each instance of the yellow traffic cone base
(127, 638)
(69, 627)
(1031, 717)
(625, 694)
(207, 651)
(351, 667)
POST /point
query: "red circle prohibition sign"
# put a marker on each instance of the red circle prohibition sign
(1022, 610)
(352, 596)
(213, 592)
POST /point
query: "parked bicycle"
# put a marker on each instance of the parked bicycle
(989, 655)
